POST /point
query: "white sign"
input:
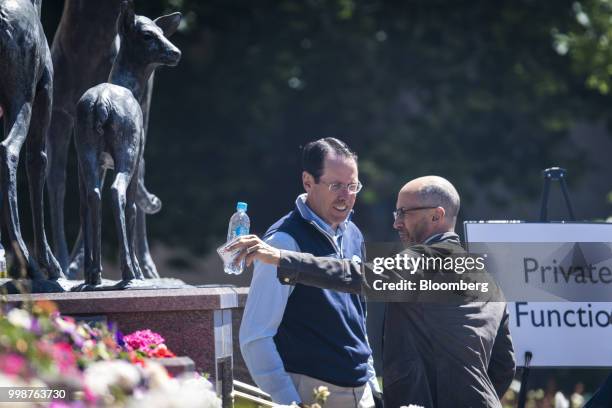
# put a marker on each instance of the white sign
(558, 334)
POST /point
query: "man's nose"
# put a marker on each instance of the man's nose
(343, 194)
(398, 223)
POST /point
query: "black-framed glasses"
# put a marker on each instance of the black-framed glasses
(399, 213)
(352, 188)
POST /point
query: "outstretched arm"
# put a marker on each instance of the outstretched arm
(296, 267)
(323, 272)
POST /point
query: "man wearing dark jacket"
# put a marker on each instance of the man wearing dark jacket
(435, 354)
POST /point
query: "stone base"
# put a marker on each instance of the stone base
(65, 285)
(29, 286)
(176, 365)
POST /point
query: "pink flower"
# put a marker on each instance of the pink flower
(64, 357)
(12, 364)
(147, 342)
(143, 340)
(90, 397)
(65, 404)
(59, 404)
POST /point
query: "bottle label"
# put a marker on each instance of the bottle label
(241, 230)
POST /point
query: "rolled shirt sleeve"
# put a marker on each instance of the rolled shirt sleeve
(373, 379)
(263, 314)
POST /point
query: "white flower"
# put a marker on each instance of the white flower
(183, 392)
(321, 393)
(191, 380)
(64, 324)
(157, 376)
(88, 344)
(12, 382)
(7, 382)
(20, 318)
(100, 376)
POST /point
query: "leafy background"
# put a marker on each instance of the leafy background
(484, 93)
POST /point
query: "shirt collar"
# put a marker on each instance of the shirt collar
(310, 215)
(443, 236)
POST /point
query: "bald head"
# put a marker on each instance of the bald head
(434, 191)
(425, 206)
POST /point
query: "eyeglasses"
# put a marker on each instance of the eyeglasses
(401, 211)
(352, 188)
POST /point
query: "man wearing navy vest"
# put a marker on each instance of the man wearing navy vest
(295, 337)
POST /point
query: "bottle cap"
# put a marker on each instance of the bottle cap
(241, 206)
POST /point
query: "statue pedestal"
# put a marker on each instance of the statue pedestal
(201, 322)
(176, 365)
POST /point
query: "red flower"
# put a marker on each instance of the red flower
(136, 358)
(162, 352)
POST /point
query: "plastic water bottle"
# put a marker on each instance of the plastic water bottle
(3, 271)
(239, 224)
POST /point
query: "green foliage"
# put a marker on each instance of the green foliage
(482, 93)
(587, 43)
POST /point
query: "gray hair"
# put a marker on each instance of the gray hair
(439, 192)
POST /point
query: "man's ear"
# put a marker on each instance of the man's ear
(439, 214)
(168, 23)
(307, 181)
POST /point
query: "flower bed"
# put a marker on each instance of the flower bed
(95, 366)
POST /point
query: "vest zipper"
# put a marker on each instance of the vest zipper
(331, 241)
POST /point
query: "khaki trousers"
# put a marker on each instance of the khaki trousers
(339, 397)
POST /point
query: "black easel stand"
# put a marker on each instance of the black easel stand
(551, 174)
(555, 174)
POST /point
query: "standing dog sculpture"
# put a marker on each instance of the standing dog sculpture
(83, 50)
(26, 88)
(110, 120)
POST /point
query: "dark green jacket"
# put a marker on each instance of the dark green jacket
(438, 354)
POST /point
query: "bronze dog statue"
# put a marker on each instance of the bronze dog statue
(83, 50)
(109, 120)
